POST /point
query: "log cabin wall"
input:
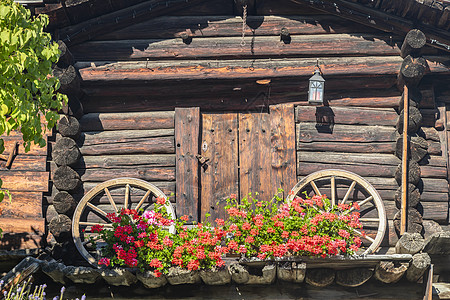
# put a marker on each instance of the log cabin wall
(194, 58)
(136, 80)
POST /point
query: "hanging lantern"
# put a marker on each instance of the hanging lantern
(316, 88)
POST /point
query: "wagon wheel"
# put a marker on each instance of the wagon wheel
(107, 197)
(346, 187)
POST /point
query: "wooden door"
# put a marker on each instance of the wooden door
(219, 154)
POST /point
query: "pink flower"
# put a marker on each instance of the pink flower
(150, 216)
(104, 261)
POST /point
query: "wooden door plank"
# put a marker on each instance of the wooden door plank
(22, 205)
(283, 154)
(220, 173)
(25, 181)
(187, 127)
(254, 155)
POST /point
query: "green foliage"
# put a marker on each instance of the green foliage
(28, 89)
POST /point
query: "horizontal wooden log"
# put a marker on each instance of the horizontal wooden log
(433, 172)
(69, 79)
(219, 26)
(230, 47)
(433, 160)
(414, 41)
(167, 187)
(344, 115)
(66, 57)
(25, 163)
(308, 132)
(69, 126)
(25, 181)
(66, 179)
(387, 147)
(126, 161)
(121, 136)
(149, 174)
(426, 185)
(376, 102)
(228, 69)
(146, 146)
(61, 226)
(305, 168)
(417, 148)
(414, 121)
(124, 121)
(429, 133)
(348, 158)
(65, 152)
(434, 148)
(413, 173)
(127, 15)
(22, 205)
(412, 71)
(388, 272)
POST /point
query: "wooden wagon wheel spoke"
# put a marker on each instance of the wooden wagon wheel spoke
(349, 191)
(354, 186)
(138, 206)
(94, 207)
(110, 198)
(333, 190)
(315, 188)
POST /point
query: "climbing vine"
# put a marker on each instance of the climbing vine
(28, 97)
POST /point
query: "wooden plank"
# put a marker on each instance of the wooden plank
(254, 151)
(386, 147)
(25, 181)
(214, 26)
(26, 163)
(19, 233)
(230, 47)
(126, 161)
(305, 168)
(148, 174)
(220, 174)
(187, 127)
(433, 172)
(157, 145)
(206, 8)
(376, 102)
(308, 132)
(348, 158)
(23, 205)
(346, 115)
(121, 136)
(283, 154)
(124, 121)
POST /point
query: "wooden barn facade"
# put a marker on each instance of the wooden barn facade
(210, 98)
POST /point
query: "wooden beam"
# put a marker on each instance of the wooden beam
(375, 18)
(245, 69)
(167, 27)
(85, 31)
(404, 206)
(230, 47)
(187, 135)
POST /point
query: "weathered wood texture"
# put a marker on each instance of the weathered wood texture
(20, 233)
(283, 154)
(124, 121)
(187, 127)
(222, 26)
(219, 171)
(229, 47)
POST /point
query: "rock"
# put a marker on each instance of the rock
(239, 273)
(118, 277)
(353, 277)
(149, 280)
(55, 271)
(82, 274)
(178, 276)
(410, 243)
(320, 277)
(269, 272)
(419, 264)
(216, 277)
(388, 272)
(26, 267)
(291, 271)
(438, 243)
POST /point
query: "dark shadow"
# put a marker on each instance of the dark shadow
(324, 119)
